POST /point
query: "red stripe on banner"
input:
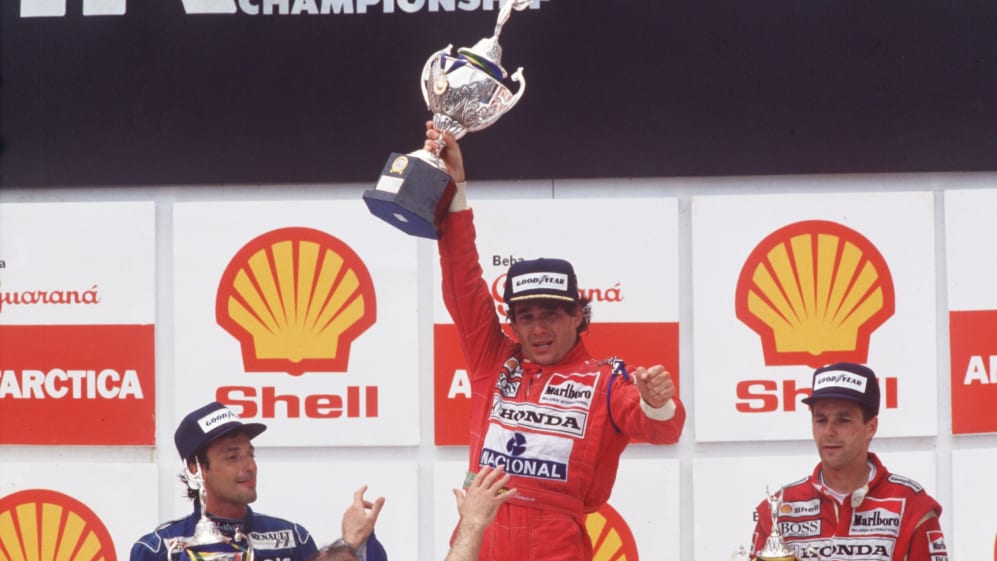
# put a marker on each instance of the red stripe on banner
(77, 384)
(973, 371)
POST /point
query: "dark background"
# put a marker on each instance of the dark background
(615, 88)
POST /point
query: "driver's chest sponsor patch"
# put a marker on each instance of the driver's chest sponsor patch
(570, 390)
(845, 549)
(800, 528)
(277, 539)
(533, 455)
(879, 517)
(551, 420)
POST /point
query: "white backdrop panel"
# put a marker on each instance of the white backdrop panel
(208, 235)
(971, 254)
(630, 245)
(107, 247)
(725, 231)
(971, 515)
(100, 487)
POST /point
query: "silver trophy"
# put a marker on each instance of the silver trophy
(775, 548)
(465, 93)
(208, 542)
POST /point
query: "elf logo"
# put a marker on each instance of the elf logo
(57, 8)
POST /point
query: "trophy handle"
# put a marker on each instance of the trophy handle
(518, 77)
(427, 67)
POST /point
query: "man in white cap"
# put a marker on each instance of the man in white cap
(851, 507)
(215, 445)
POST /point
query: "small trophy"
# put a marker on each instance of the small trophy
(465, 93)
(208, 542)
(775, 548)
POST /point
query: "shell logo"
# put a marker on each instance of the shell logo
(295, 299)
(610, 535)
(814, 291)
(45, 525)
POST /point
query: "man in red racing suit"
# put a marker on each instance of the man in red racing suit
(850, 508)
(555, 418)
(895, 520)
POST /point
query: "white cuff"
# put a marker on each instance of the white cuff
(663, 413)
(459, 201)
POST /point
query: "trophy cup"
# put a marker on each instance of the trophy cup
(775, 548)
(465, 93)
(208, 542)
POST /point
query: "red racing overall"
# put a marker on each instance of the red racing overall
(558, 429)
(896, 520)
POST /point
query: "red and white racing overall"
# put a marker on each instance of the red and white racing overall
(895, 520)
(558, 429)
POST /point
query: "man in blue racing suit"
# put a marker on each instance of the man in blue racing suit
(214, 443)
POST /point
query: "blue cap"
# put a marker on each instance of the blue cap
(202, 426)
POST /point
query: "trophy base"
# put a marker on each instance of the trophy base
(412, 195)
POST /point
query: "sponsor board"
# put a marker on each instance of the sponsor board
(77, 314)
(640, 521)
(299, 315)
(805, 281)
(57, 8)
(610, 535)
(22, 533)
(726, 491)
(631, 275)
(54, 507)
(971, 268)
